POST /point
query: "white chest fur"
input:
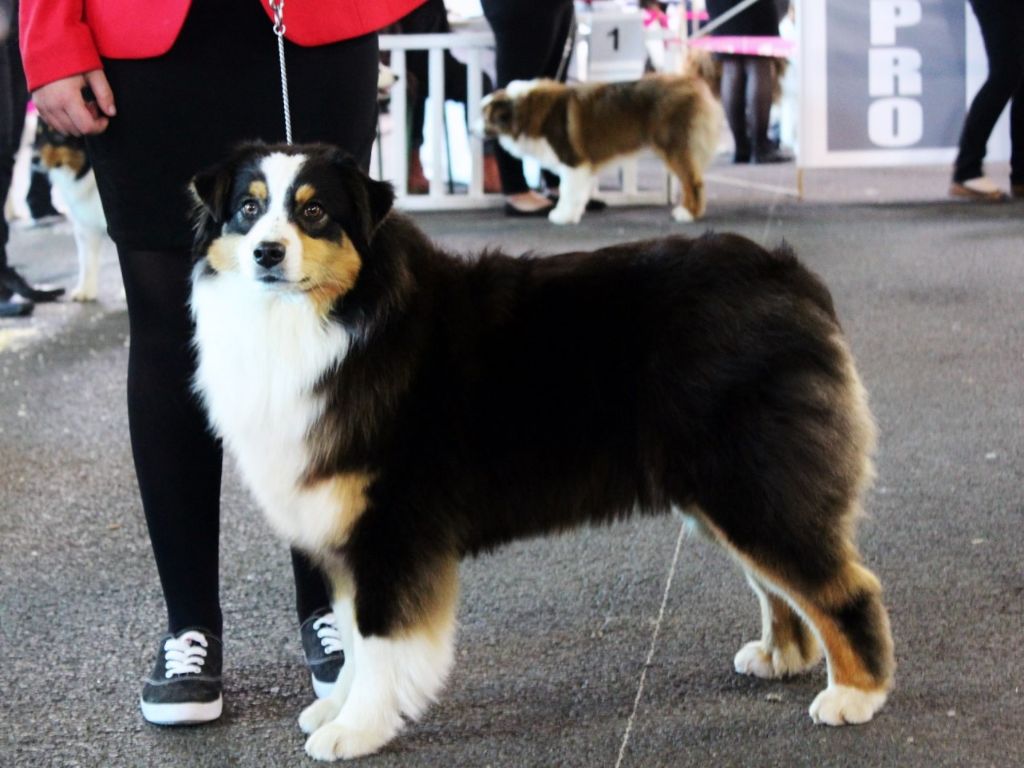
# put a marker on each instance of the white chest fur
(261, 354)
(81, 197)
(532, 148)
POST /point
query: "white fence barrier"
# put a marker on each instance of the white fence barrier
(391, 158)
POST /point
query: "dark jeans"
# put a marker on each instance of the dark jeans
(1002, 28)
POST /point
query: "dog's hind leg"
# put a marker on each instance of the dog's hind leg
(847, 614)
(840, 600)
(399, 666)
(691, 180)
(787, 645)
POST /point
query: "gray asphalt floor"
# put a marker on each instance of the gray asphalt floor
(555, 634)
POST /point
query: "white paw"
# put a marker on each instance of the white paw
(754, 659)
(335, 740)
(318, 713)
(681, 215)
(83, 294)
(841, 705)
(557, 216)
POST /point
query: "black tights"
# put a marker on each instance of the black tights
(177, 459)
(747, 99)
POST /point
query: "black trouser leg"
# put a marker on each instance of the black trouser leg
(39, 200)
(1002, 28)
(760, 76)
(13, 100)
(734, 101)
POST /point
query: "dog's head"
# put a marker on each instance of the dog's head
(55, 150)
(518, 107)
(289, 218)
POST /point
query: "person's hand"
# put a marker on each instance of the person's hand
(63, 107)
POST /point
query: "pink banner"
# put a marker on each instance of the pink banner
(776, 47)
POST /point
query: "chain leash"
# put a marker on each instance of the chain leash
(279, 28)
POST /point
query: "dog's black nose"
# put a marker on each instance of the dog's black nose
(269, 254)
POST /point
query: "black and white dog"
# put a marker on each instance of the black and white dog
(394, 408)
(65, 161)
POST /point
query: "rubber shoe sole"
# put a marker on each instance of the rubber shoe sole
(186, 713)
(961, 191)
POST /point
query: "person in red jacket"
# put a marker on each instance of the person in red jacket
(176, 85)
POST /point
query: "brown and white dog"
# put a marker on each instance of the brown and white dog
(394, 408)
(65, 161)
(574, 130)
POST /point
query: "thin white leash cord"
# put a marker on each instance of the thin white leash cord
(278, 9)
(654, 644)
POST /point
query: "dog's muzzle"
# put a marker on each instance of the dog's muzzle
(268, 257)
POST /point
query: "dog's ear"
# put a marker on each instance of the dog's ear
(372, 199)
(210, 189)
(499, 114)
(380, 196)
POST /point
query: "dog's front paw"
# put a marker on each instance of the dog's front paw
(758, 660)
(336, 740)
(682, 215)
(842, 705)
(82, 293)
(557, 216)
(317, 714)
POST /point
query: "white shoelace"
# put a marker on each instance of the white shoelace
(328, 632)
(185, 654)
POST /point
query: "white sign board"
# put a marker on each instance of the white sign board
(887, 82)
(617, 49)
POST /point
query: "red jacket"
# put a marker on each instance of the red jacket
(60, 38)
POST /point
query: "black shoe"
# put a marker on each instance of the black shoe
(511, 210)
(185, 687)
(12, 281)
(321, 642)
(12, 305)
(594, 204)
(771, 155)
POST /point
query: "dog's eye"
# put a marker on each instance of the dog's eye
(250, 209)
(312, 211)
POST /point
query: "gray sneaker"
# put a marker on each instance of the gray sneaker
(321, 642)
(185, 687)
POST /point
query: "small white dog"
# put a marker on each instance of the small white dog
(66, 163)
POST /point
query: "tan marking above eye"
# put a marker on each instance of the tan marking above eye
(304, 194)
(258, 189)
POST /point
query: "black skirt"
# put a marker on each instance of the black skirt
(220, 85)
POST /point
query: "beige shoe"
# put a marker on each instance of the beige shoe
(981, 188)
